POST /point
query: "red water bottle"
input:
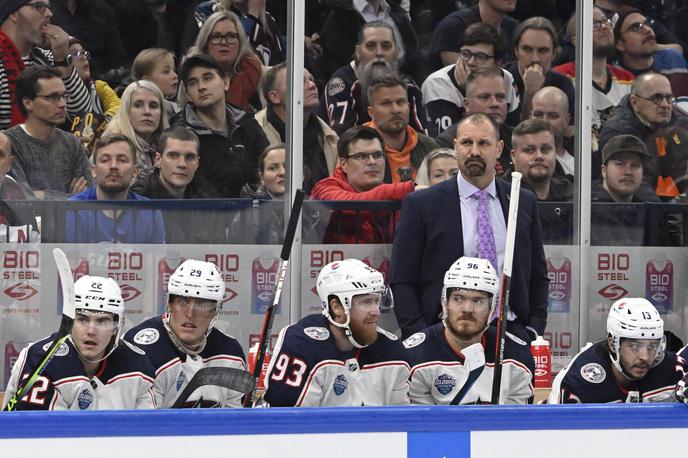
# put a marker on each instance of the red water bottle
(543, 362)
(252, 363)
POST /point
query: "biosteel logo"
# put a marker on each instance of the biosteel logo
(21, 291)
(613, 292)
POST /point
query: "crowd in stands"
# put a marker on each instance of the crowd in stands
(193, 96)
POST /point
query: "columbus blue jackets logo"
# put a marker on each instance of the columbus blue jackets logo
(340, 385)
(414, 340)
(63, 350)
(317, 333)
(335, 86)
(146, 336)
(445, 383)
(85, 399)
(593, 373)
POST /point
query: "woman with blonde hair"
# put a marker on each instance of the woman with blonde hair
(157, 65)
(223, 37)
(440, 164)
(140, 118)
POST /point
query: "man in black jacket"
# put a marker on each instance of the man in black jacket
(230, 139)
(168, 24)
(174, 177)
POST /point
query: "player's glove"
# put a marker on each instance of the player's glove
(682, 390)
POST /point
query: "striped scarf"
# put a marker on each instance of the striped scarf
(13, 63)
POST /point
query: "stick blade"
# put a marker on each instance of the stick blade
(66, 281)
(224, 377)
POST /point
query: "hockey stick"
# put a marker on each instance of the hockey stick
(264, 341)
(67, 282)
(506, 284)
(225, 377)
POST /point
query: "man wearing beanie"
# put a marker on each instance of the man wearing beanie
(27, 37)
(623, 158)
(637, 45)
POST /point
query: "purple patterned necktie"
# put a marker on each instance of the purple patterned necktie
(486, 242)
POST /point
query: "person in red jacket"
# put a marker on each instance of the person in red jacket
(359, 176)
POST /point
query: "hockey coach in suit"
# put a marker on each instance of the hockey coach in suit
(444, 222)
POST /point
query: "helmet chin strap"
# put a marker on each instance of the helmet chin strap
(347, 329)
(114, 342)
(181, 346)
(616, 361)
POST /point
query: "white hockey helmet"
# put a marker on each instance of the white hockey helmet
(346, 279)
(100, 294)
(473, 274)
(197, 279)
(634, 318)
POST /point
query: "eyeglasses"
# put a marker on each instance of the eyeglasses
(458, 299)
(480, 57)
(229, 37)
(638, 27)
(365, 157)
(604, 23)
(658, 98)
(39, 7)
(82, 55)
(54, 98)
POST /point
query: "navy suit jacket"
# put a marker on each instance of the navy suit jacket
(429, 240)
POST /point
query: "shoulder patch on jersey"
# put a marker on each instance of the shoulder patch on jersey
(516, 339)
(85, 399)
(444, 384)
(63, 350)
(335, 86)
(134, 348)
(317, 333)
(147, 336)
(593, 373)
(340, 384)
(389, 335)
(414, 340)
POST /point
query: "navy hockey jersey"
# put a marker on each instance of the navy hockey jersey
(342, 104)
(588, 378)
(439, 375)
(174, 369)
(444, 99)
(307, 369)
(124, 379)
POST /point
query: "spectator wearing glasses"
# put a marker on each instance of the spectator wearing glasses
(223, 37)
(636, 44)
(444, 90)
(609, 82)
(649, 114)
(654, 9)
(405, 148)
(50, 161)
(27, 37)
(104, 100)
(359, 176)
